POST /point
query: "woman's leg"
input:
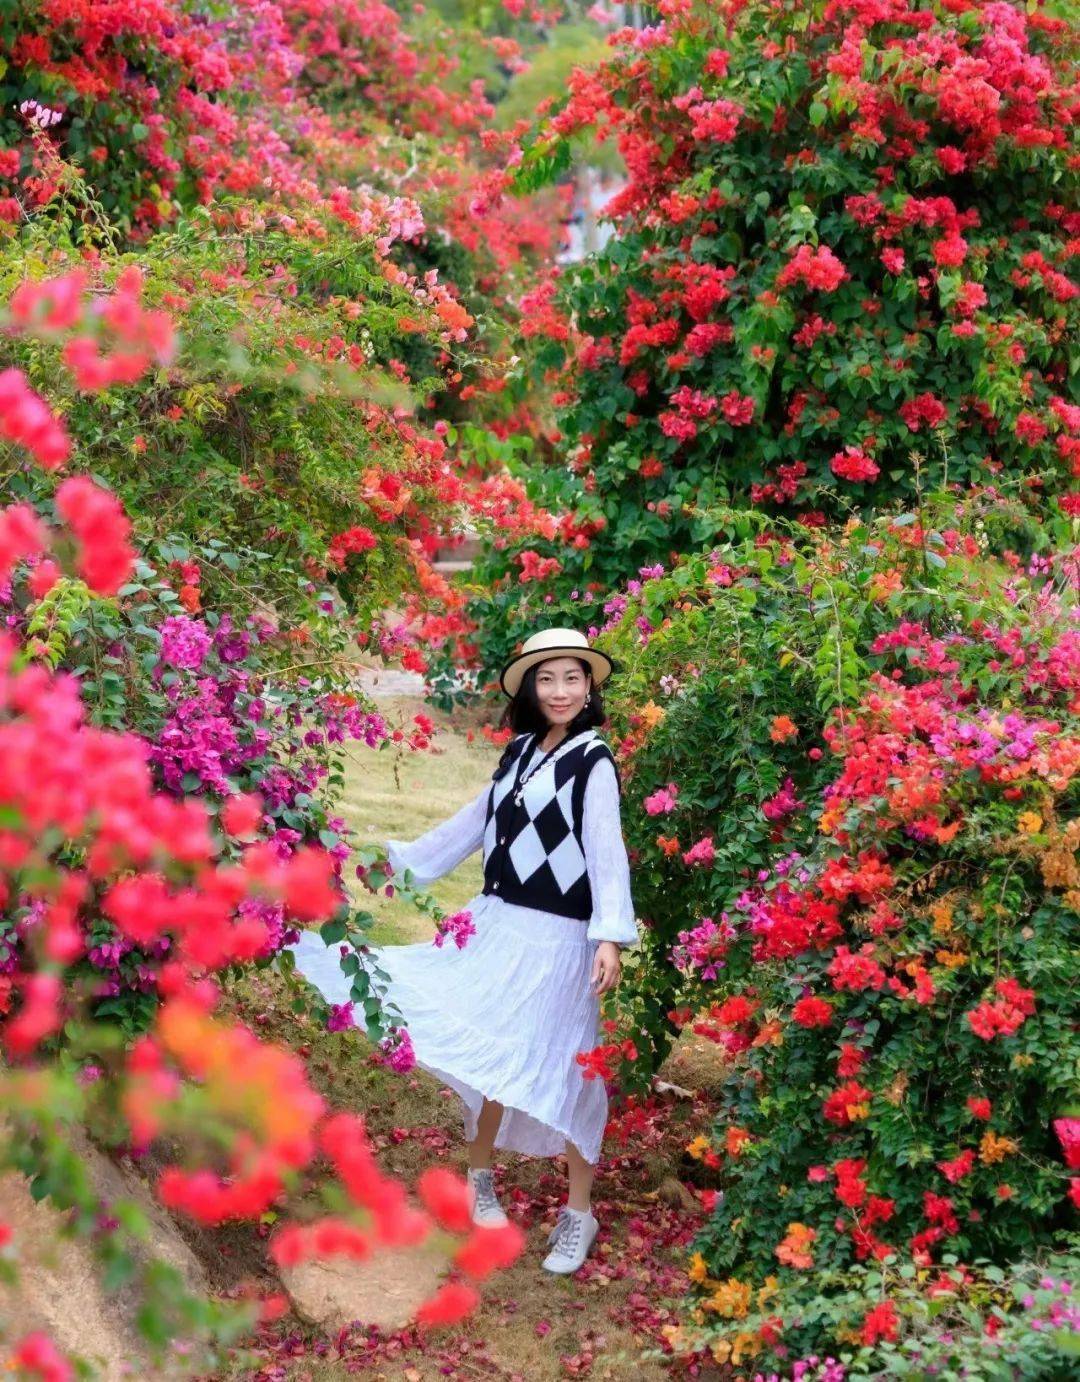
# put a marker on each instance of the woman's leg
(581, 1178)
(487, 1125)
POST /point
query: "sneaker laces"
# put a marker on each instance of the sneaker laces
(569, 1233)
(564, 1214)
(484, 1190)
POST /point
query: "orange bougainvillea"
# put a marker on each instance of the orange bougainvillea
(795, 1249)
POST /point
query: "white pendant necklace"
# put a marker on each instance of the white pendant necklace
(519, 790)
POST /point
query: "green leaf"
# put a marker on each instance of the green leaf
(333, 932)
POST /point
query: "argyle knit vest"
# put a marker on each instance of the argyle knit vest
(533, 853)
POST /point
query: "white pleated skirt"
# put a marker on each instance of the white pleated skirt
(502, 1018)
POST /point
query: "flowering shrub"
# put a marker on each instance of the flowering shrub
(321, 505)
(851, 772)
(981, 1321)
(162, 821)
(335, 289)
(273, 491)
(224, 716)
(817, 300)
(84, 827)
(174, 104)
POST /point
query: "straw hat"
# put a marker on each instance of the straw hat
(554, 643)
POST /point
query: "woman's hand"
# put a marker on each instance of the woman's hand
(607, 967)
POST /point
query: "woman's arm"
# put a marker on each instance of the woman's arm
(445, 845)
(606, 861)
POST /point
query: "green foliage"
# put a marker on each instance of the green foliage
(53, 621)
(254, 440)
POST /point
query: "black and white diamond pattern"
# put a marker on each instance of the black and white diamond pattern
(533, 855)
(548, 838)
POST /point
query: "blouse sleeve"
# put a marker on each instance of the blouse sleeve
(444, 846)
(605, 858)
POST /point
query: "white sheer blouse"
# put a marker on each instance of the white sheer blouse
(447, 844)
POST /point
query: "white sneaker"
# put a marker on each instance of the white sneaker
(486, 1207)
(574, 1235)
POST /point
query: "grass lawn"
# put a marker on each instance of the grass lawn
(395, 794)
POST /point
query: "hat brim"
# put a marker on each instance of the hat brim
(511, 675)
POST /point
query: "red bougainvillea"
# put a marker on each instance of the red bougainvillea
(816, 299)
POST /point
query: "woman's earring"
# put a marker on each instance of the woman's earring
(588, 699)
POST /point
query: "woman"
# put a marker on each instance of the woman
(501, 1020)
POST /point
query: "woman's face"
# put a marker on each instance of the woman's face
(561, 688)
